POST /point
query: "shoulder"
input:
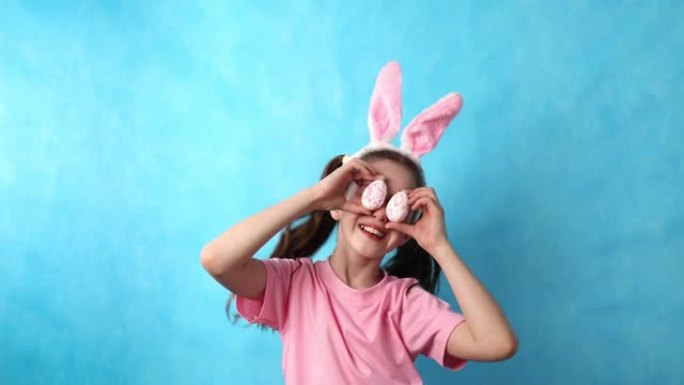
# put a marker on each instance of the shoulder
(402, 290)
(288, 265)
(288, 261)
(407, 294)
(401, 285)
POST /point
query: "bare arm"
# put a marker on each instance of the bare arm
(486, 334)
(229, 258)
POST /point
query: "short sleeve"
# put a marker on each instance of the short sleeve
(426, 324)
(271, 310)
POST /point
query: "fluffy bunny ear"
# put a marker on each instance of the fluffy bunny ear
(384, 114)
(424, 131)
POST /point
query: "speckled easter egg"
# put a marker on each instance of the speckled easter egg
(397, 207)
(374, 195)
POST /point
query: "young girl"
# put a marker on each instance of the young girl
(350, 319)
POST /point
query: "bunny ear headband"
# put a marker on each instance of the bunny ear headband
(384, 118)
(419, 137)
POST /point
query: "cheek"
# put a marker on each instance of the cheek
(348, 221)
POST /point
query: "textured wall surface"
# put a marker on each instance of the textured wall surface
(132, 134)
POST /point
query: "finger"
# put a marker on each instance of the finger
(360, 170)
(425, 201)
(423, 191)
(361, 174)
(363, 163)
(366, 170)
(422, 194)
(417, 194)
(417, 202)
(358, 164)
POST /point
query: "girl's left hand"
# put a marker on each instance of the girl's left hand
(430, 230)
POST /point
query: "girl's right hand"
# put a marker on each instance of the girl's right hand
(330, 191)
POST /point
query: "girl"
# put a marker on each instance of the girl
(350, 319)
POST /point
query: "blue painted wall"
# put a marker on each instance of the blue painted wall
(132, 134)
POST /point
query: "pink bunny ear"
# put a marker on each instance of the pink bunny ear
(424, 131)
(384, 114)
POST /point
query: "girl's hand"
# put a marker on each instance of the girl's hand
(430, 230)
(330, 192)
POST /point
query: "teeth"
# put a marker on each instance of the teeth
(373, 231)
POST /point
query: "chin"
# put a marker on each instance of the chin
(367, 251)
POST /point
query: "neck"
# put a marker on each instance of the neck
(356, 271)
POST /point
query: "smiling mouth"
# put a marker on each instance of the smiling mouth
(372, 233)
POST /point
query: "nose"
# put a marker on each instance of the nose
(380, 214)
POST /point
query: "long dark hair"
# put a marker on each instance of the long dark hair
(314, 229)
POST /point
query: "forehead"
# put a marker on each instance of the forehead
(398, 177)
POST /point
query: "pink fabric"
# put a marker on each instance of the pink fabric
(384, 117)
(423, 133)
(384, 113)
(333, 334)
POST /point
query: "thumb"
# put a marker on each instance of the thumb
(401, 227)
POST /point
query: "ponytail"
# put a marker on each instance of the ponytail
(304, 240)
(412, 261)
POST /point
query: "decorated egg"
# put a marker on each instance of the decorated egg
(374, 195)
(397, 207)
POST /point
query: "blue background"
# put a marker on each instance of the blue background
(132, 134)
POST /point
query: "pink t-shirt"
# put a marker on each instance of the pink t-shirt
(334, 334)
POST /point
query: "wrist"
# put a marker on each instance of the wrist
(312, 196)
(440, 248)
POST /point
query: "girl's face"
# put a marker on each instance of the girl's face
(354, 234)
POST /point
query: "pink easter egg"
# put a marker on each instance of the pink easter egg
(374, 195)
(397, 207)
